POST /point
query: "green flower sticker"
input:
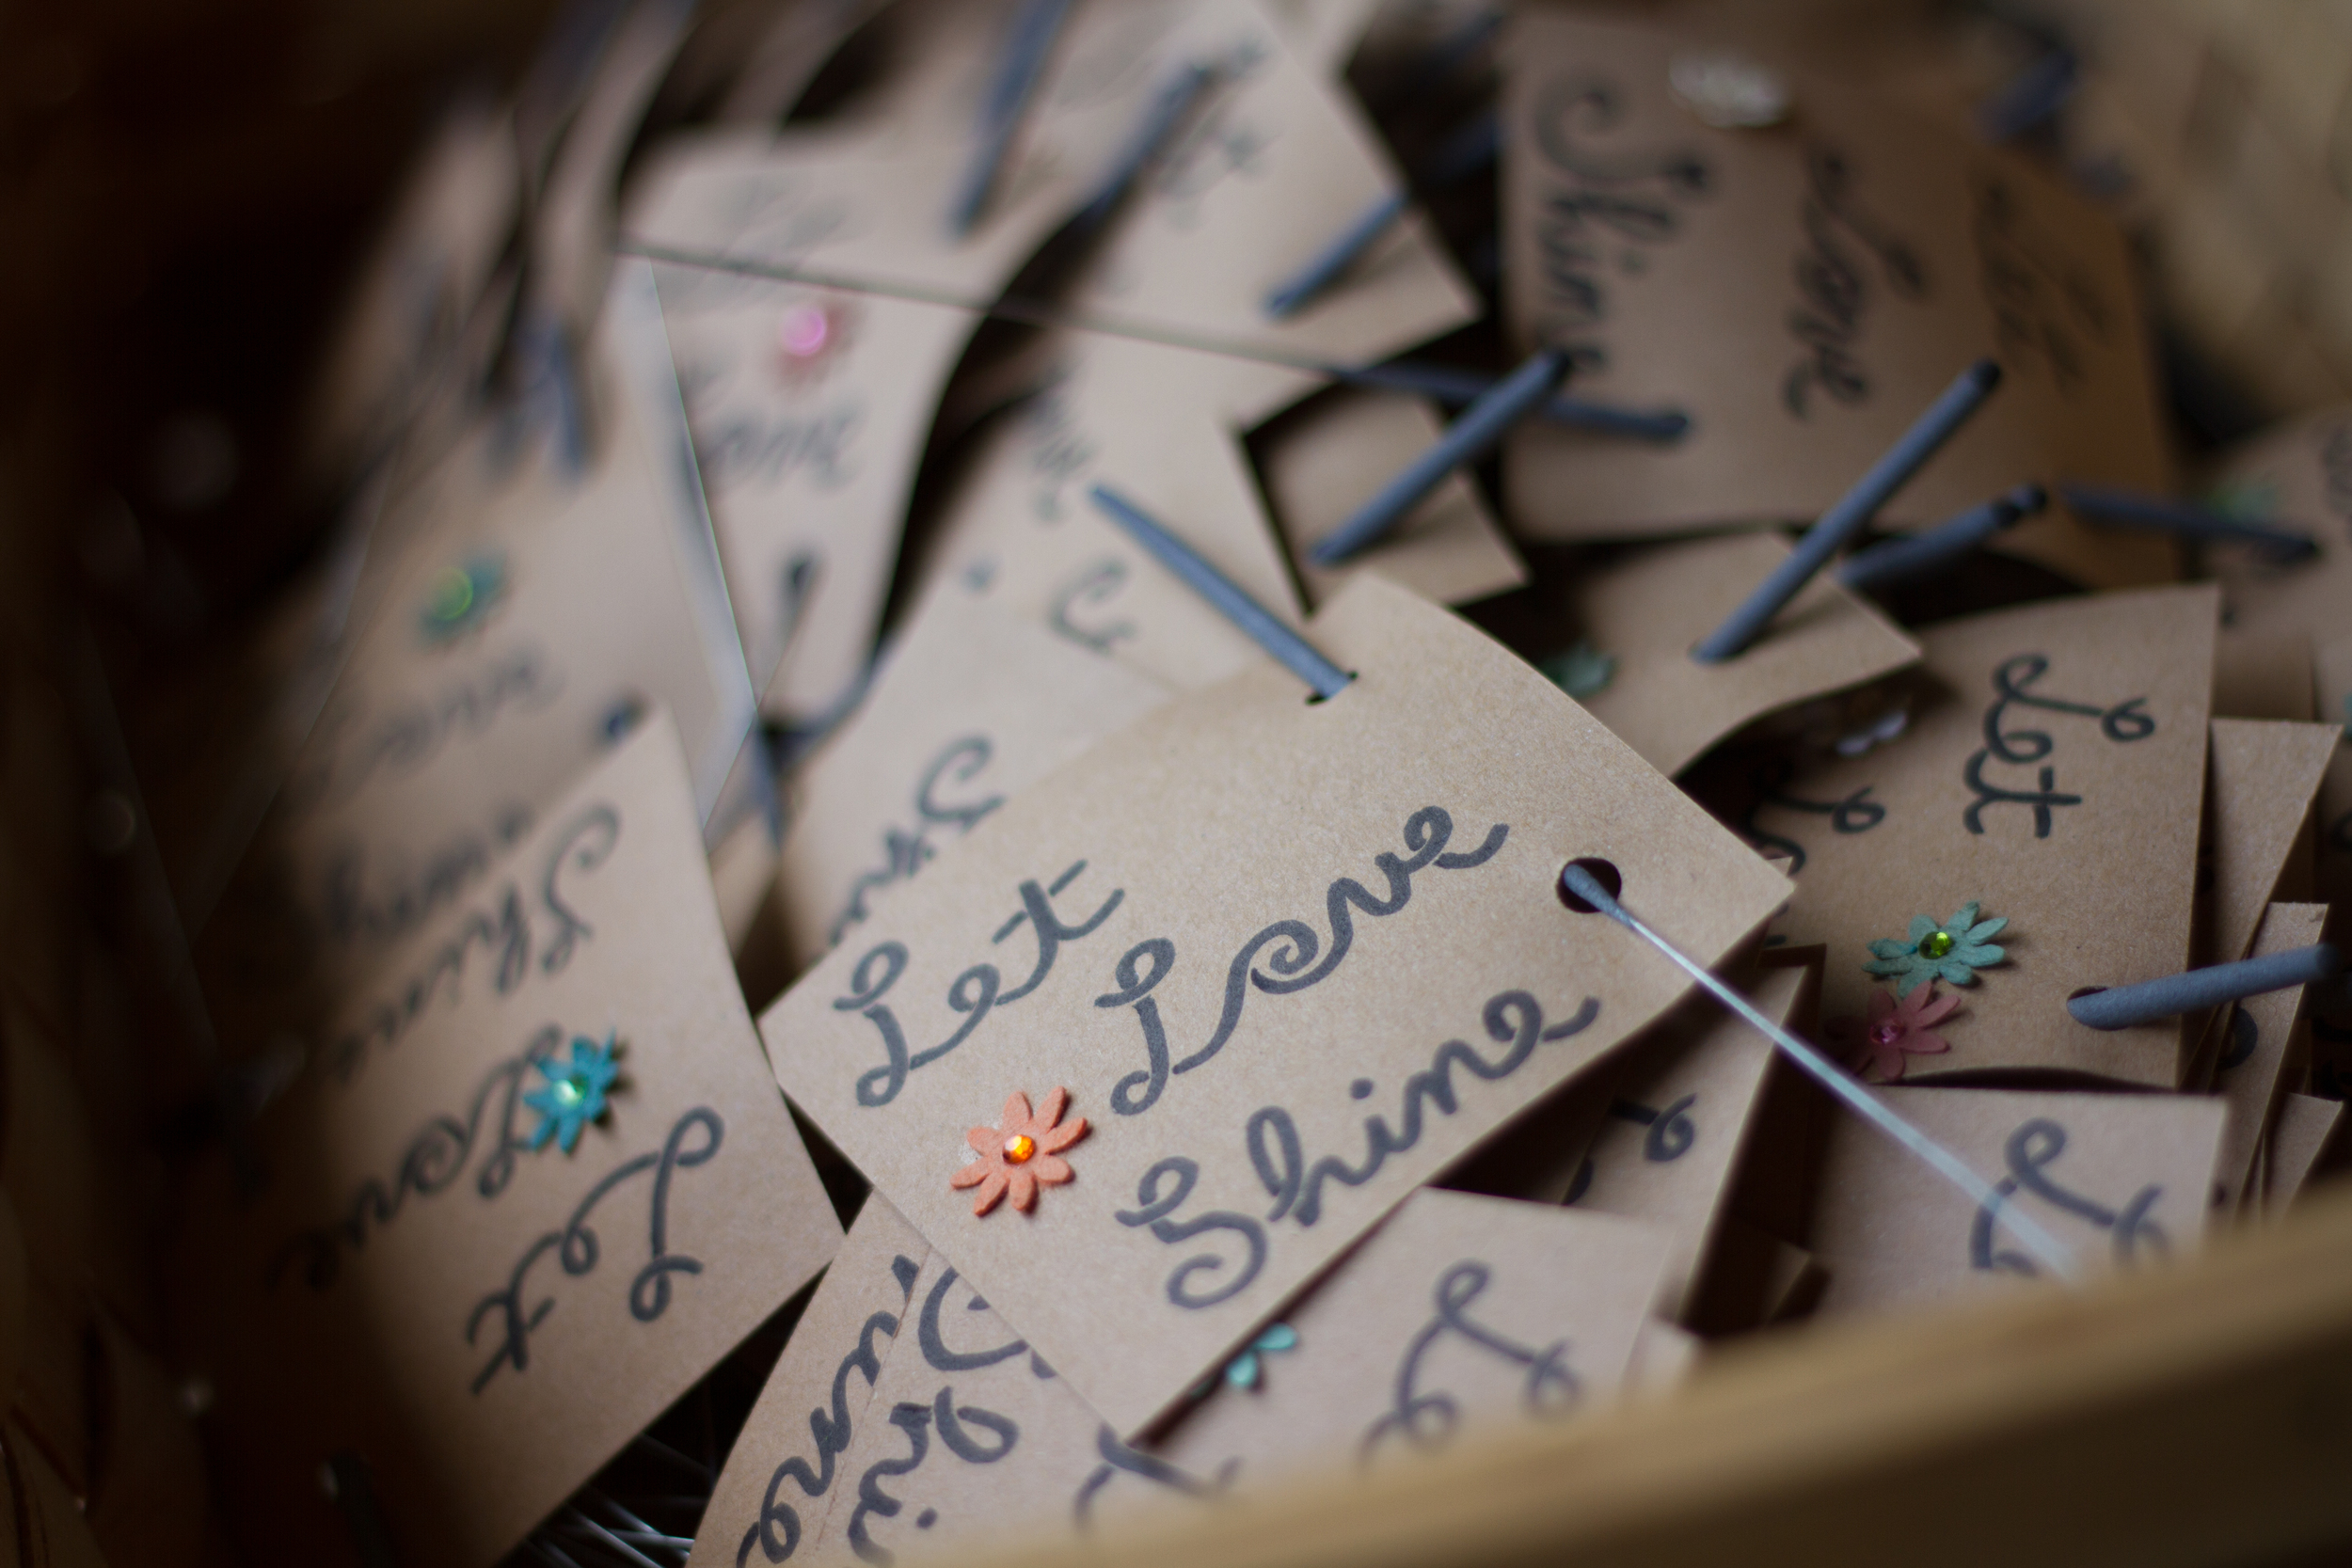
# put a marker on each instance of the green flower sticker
(1581, 670)
(1952, 952)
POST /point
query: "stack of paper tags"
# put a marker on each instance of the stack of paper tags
(1090, 752)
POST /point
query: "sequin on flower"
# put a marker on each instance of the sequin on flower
(462, 597)
(1878, 1046)
(1952, 951)
(1021, 1155)
(810, 336)
(574, 1093)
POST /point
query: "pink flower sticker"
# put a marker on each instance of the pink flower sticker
(1879, 1046)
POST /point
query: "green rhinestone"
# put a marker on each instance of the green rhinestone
(567, 1091)
(452, 594)
(1935, 944)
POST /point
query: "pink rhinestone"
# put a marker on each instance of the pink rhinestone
(802, 332)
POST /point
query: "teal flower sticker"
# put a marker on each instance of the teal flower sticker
(573, 1095)
(462, 597)
(1244, 1371)
(1581, 670)
(1952, 952)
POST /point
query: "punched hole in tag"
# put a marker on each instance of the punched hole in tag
(1601, 871)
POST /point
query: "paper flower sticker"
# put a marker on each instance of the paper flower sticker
(1879, 1046)
(573, 1095)
(1581, 671)
(1022, 1155)
(1246, 1370)
(462, 597)
(1952, 951)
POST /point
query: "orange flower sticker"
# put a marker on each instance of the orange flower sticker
(1022, 1155)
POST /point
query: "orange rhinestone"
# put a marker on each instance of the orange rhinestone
(1019, 1147)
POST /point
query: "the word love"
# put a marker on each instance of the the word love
(2123, 723)
(975, 992)
(1834, 283)
(440, 1152)
(1294, 955)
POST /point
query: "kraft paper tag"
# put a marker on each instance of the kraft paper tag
(1324, 33)
(810, 408)
(1461, 1316)
(1804, 293)
(971, 706)
(2299, 1139)
(2251, 1067)
(1648, 610)
(2332, 664)
(1171, 920)
(2297, 478)
(2119, 1181)
(509, 649)
(865, 196)
(453, 216)
(1679, 1122)
(1541, 1156)
(423, 1282)
(905, 1414)
(2051, 776)
(1275, 162)
(1324, 459)
(2259, 797)
(1021, 531)
(2257, 675)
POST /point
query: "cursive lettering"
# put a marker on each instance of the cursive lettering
(578, 1250)
(1834, 287)
(2031, 1149)
(1275, 1152)
(1428, 1421)
(1290, 948)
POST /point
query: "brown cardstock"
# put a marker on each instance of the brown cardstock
(2250, 1069)
(1274, 162)
(2304, 1126)
(1803, 293)
(1142, 419)
(1896, 1233)
(1650, 610)
(2259, 796)
(1325, 459)
(1270, 163)
(482, 1324)
(1233, 829)
(1679, 1117)
(1664, 1357)
(2259, 676)
(2332, 664)
(2104, 898)
(970, 707)
(905, 1413)
(2265, 778)
(594, 600)
(2300, 477)
(807, 459)
(1461, 1316)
